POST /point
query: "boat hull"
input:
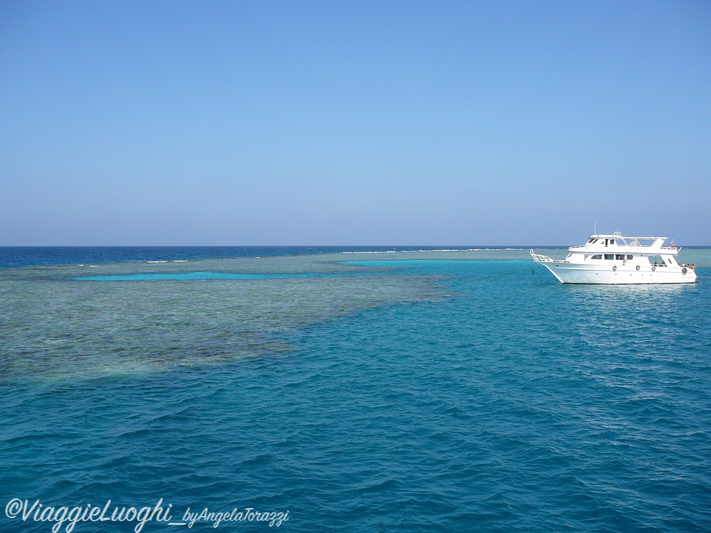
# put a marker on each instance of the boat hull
(619, 275)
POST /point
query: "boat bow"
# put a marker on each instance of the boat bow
(538, 258)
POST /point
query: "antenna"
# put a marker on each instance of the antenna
(595, 231)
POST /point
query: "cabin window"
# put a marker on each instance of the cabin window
(620, 257)
(610, 257)
(629, 258)
(612, 241)
(596, 256)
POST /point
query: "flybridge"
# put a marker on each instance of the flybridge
(644, 244)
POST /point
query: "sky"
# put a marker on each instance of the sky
(353, 122)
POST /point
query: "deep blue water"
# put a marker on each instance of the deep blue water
(442, 395)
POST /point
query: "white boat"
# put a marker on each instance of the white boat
(617, 260)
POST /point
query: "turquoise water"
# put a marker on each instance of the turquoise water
(453, 391)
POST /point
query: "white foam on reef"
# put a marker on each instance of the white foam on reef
(423, 251)
(154, 262)
(372, 252)
(443, 250)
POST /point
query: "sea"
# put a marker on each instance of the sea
(348, 389)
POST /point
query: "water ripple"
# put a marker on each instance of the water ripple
(463, 395)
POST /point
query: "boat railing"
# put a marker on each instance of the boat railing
(538, 258)
(634, 246)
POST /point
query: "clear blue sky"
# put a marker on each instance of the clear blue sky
(353, 122)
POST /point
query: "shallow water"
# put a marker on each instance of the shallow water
(457, 391)
(62, 321)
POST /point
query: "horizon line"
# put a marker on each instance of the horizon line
(439, 246)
